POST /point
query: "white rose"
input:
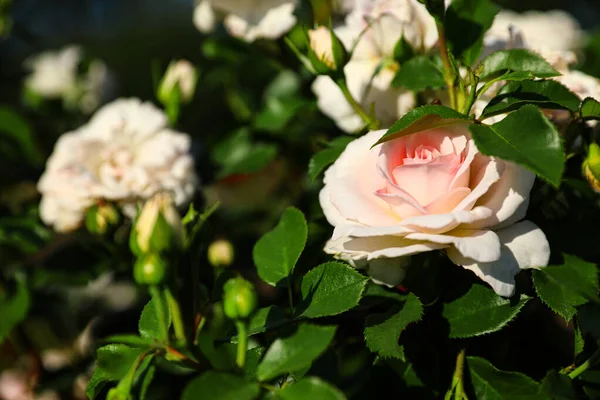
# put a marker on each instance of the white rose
(54, 73)
(247, 19)
(431, 190)
(125, 154)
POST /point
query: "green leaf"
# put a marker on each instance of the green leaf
(148, 325)
(564, 287)
(266, 318)
(590, 109)
(466, 23)
(238, 154)
(544, 93)
(481, 311)
(311, 388)
(113, 361)
(276, 253)
(516, 60)
(14, 305)
(490, 383)
(423, 118)
(17, 129)
(327, 156)
(382, 331)
(290, 354)
(557, 387)
(146, 381)
(403, 51)
(331, 289)
(419, 73)
(436, 8)
(527, 138)
(220, 386)
(130, 340)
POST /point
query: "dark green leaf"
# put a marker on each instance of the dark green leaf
(325, 157)
(564, 287)
(17, 129)
(253, 357)
(149, 325)
(543, 93)
(113, 361)
(558, 387)
(590, 109)
(295, 352)
(130, 340)
(266, 318)
(382, 331)
(490, 383)
(481, 311)
(311, 388)
(14, 305)
(516, 60)
(238, 154)
(527, 138)
(419, 73)
(220, 386)
(331, 289)
(423, 118)
(403, 51)
(436, 8)
(466, 22)
(276, 253)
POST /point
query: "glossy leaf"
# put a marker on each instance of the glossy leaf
(382, 331)
(590, 109)
(276, 253)
(423, 118)
(220, 386)
(527, 138)
(543, 93)
(419, 73)
(516, 60)
(325, 157)
(113, 361)
(295, 352)
(331, 289)
(311, 388)
(480, 311)
(265, 318)
(149, 325)
(490, 383)
(564, 287)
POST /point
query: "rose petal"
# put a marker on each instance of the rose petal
(481, 181)
(401, 203)
(506, 197)
(388, 271)
(370, 248)
(448, 201)
(445, 222)
(524, 246)
(462, 177)
(479, 245)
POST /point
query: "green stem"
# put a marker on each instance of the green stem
(160, 311)
(457, 387)
(175, 315)
(448, 72)
(358, 109)
(242, 347)
(590, 362)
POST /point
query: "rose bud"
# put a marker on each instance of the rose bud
(591, 167)
(220, 253)
(239, 298)
(100, 217)
(150, 269)
(179, 82)
(326, 53)
(158, 227)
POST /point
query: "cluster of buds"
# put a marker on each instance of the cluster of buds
(157, 231)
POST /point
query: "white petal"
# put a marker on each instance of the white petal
(388, 271)
(524, 245)
(371, 248)
(478, 245)
(482, 179)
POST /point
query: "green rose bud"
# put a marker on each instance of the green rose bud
(239, 298)
(220, 253)
(591, 167)
(326, 52)
(179, 83)
(158, 227)
(150, 269)
(99, 218)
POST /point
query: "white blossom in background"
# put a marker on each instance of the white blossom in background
(15, 385)
(246, 19)
(55, 75)
(125, 154)
(375, 27)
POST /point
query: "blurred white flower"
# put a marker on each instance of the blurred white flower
(125, 154)
(14, 385)
(246, 19)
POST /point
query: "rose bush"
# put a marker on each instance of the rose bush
(431, 190)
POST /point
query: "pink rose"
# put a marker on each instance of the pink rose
(431, 190)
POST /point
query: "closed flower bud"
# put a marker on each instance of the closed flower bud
(150, 269)
(239, 298)
(327, 53)
(178, 83)
(100, 217)
(220, 253)
(158, 227)
(591, 167)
